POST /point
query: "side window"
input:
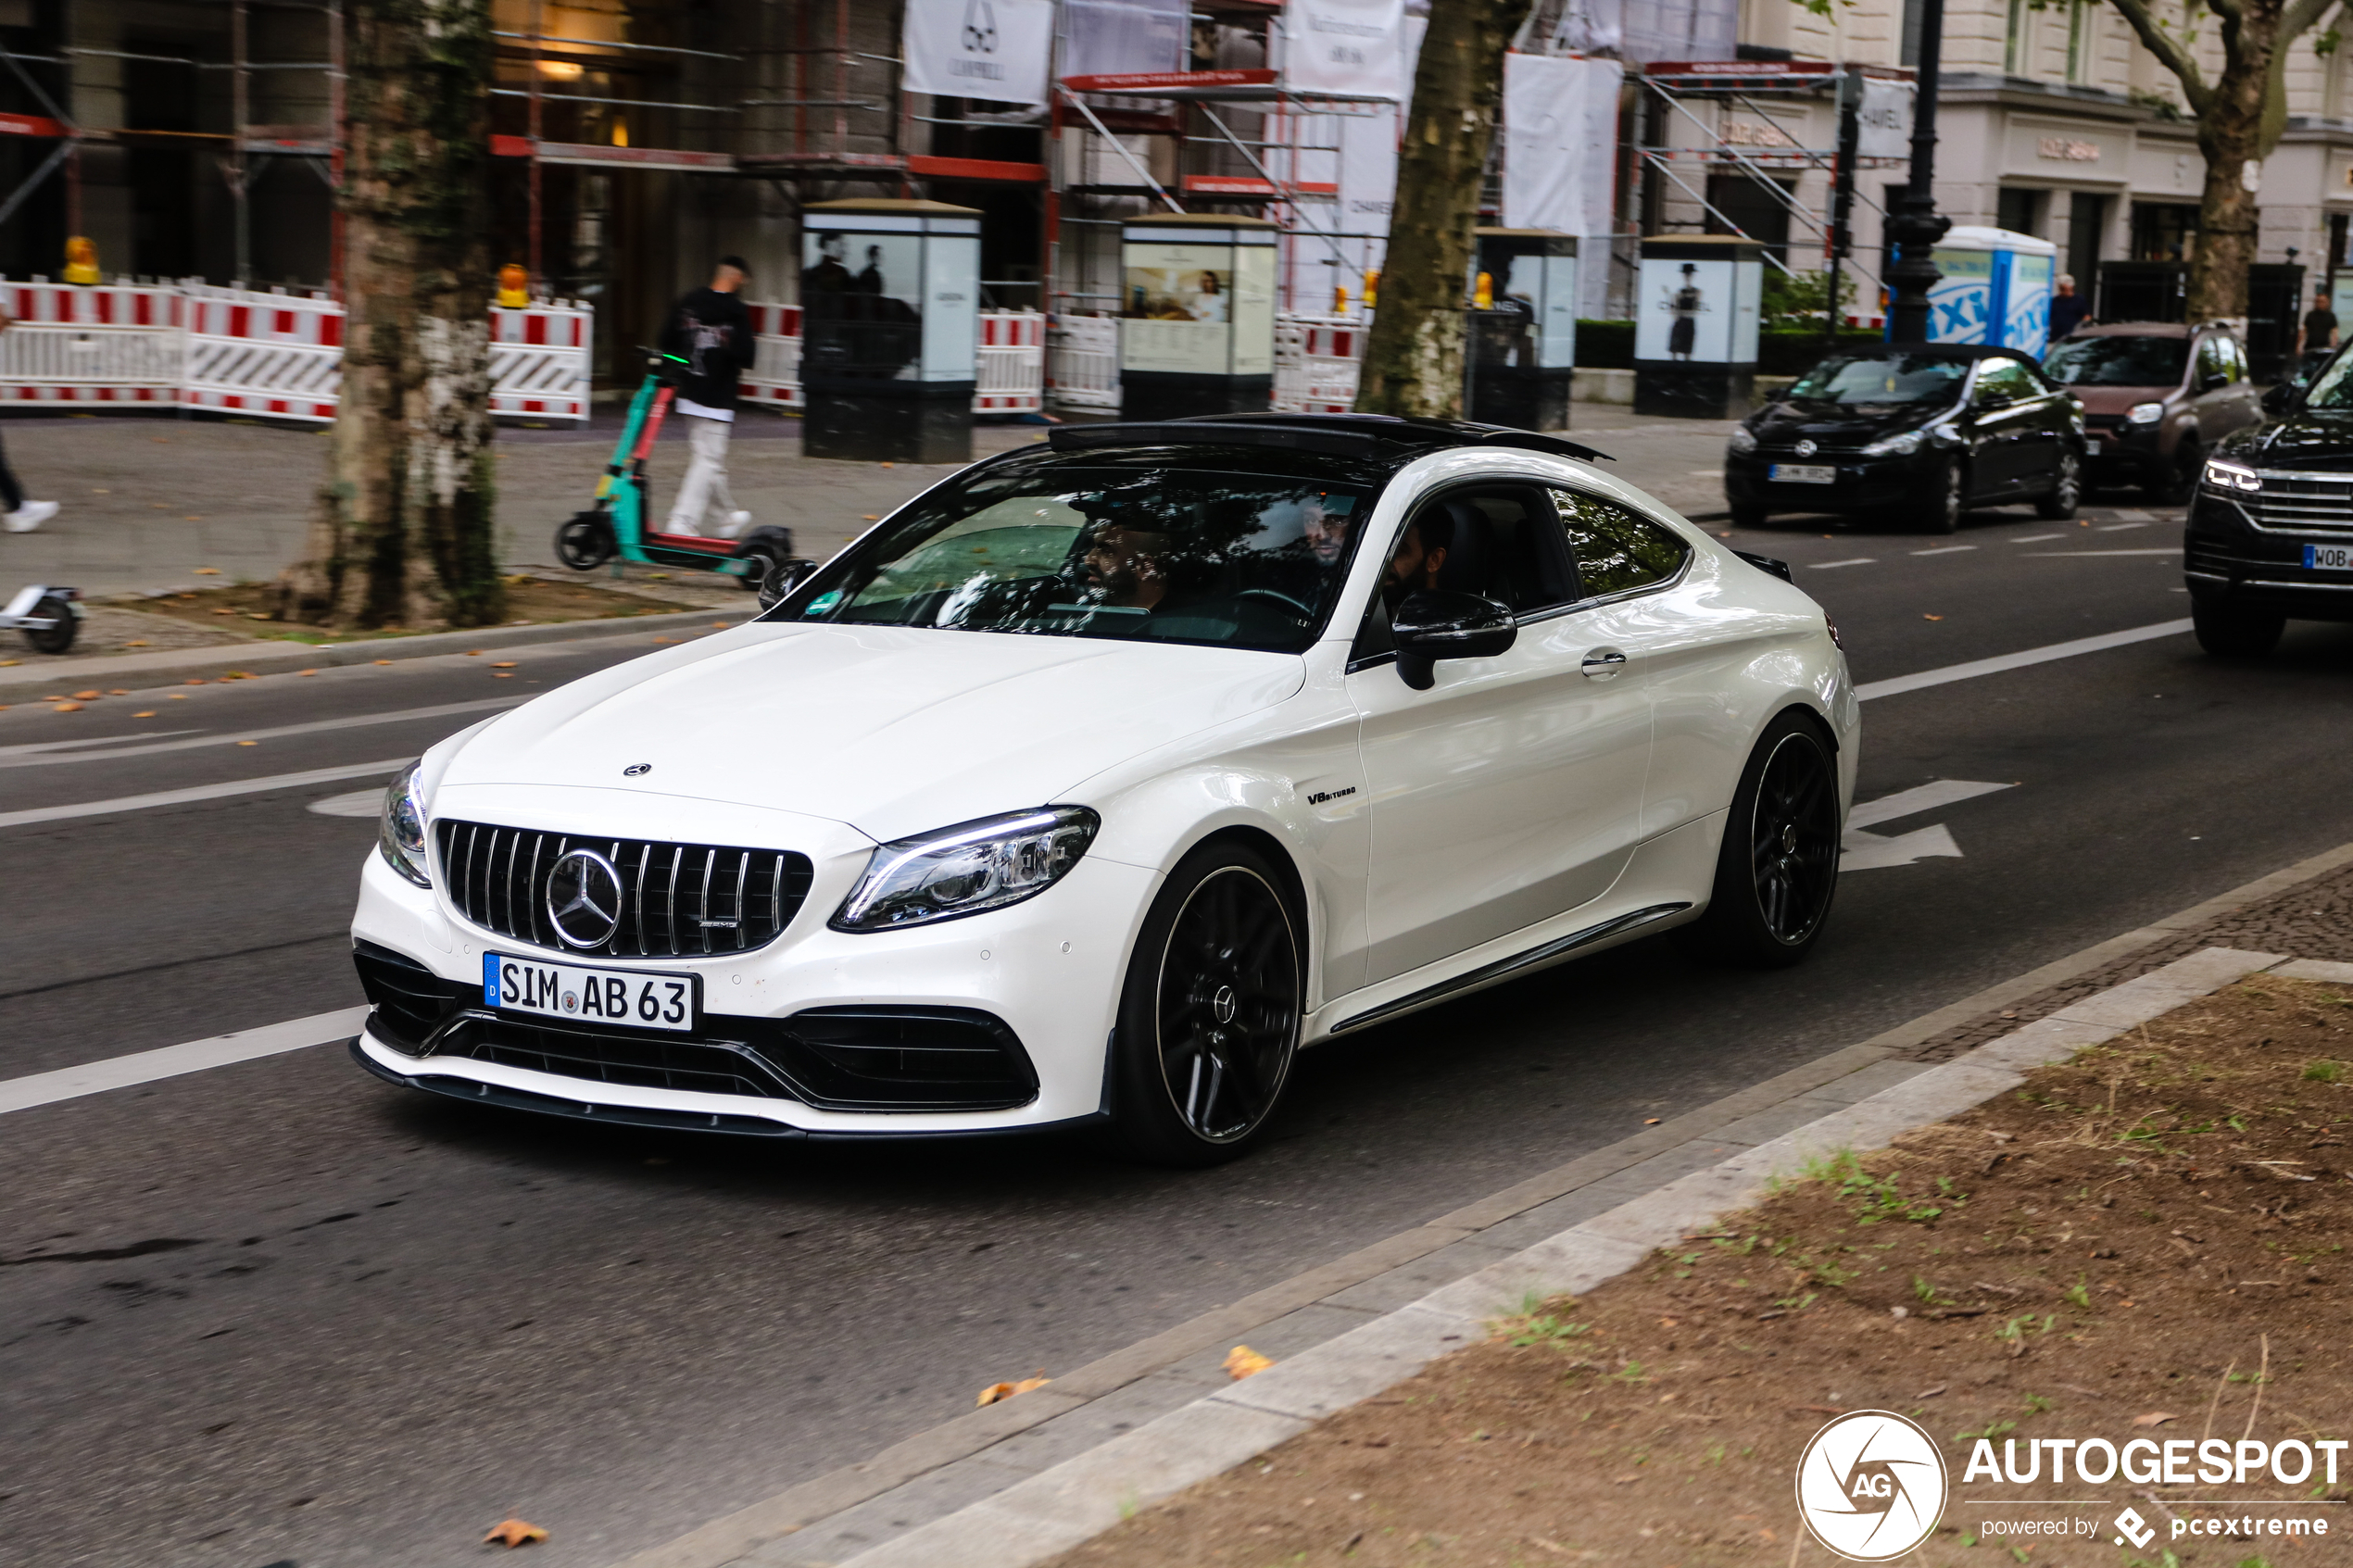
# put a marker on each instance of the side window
(2211, 365)
(1615, 550)
(2004, 380)
(1495, 544)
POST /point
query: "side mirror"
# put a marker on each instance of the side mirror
(2281, 397)
(782, 578)
(1434, 624)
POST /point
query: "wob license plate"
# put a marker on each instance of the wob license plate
(577, 994)
(1802, 474)
(2328, 558)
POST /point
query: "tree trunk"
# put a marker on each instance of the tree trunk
(403, 531)
(1414, 359)
(2240, 116)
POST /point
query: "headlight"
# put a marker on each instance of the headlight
(2144, 413)
(2231, 476)
(401, 839)
(1744, 440)
(966, 869)
(1901, 444)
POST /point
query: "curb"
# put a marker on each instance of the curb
(1068, 1503)
(170, 665)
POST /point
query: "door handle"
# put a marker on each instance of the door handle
(1603, 664)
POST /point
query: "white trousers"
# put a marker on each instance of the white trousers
(706, 481)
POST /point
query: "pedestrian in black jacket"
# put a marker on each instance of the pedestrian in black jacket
(711, 330)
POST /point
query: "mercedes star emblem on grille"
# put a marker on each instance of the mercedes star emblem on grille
(636, 770)
(583, 898)
(1806, 449)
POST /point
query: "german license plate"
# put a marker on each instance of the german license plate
(577, 994)
(2328, 558)
(1802, 474)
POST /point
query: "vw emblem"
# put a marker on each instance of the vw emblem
(636, 770)
(583, 898)
(1806, 449)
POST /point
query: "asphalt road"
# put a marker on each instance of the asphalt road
(280, 1312)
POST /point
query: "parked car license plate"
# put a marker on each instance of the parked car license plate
(2328, 558)
(1802, 474)
(575, 993)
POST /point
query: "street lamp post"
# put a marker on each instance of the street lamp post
(1915, 226)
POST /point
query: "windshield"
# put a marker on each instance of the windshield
(2335, 387)
(2119, 362)
(1172, 555)
(1880, 380)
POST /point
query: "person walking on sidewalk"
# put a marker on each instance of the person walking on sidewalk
(16, 514)
(711, 332)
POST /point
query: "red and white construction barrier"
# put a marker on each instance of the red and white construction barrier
(113, 343)
(774, 379)
(1011, 372)
(274, 353)
(1083, 361)
(1318, 360)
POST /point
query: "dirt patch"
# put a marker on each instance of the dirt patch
(2145, 1242)
(251, 608)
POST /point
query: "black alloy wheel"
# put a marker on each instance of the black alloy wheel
(1776, 874)
(58, 637)
(2226, 631)
(1209, 1017)
(2067, 490)
(584, 541)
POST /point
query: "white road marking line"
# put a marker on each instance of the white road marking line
(2118, 527)
(358, 803)
(88, 740)
(1925, 797)
(2036, 538)
(315, 726)
(199, 791)
(2135, 516)
(1944, 550)
(1827, 565)
(1869, 852)
(171, 1062)
(1898, 684)
(2057, 555)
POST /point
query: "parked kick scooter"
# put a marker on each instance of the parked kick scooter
(47, 617)
(762, 559)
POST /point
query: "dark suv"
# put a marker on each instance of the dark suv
(2270, 537)
(2156, 397)
(1917, 434)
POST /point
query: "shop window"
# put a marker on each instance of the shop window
(2163, 230)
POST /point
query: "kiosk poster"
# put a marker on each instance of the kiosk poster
(1703, 312)
(862, 298)
(1180, 304)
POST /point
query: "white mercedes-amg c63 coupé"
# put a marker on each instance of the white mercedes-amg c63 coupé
(1098, 780)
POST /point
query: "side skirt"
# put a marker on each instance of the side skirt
(1504, 969)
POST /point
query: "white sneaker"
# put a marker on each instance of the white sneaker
(680, 525)
(737, 524)
(30, 516)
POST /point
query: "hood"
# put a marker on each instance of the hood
(893, 730)
(2308, 438)
(2119, 400)
(1785, 424)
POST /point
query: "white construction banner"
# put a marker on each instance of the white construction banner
(995, 50)
(1884, 119)
(1560, 143)
(1354, 47)
(1123, 37)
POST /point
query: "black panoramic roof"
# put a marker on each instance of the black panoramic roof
(1963, 351)
(1373, 437)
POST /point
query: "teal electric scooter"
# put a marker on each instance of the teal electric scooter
(616, 525)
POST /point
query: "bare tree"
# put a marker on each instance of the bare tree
(2240, 115)
(1414, 359)
(403, 531)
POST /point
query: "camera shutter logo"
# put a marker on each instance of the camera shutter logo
(1871, 1486)
(583, 898)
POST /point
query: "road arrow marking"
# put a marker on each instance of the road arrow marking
(1869, 851)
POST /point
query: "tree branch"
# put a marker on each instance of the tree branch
(2169, 51)
(2300, 18)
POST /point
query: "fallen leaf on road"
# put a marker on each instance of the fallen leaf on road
(119, 691)
(207, 571)
(177, 696)
(87, 696)
(473, 653)
(665, 639)
(512, 1533)
(1242, 1361)
(2155, 1418)
(248, 743)
(504, 664)
(721, 624)
(384, 661)
(306, 672)
(194, 681)
(1650, 1121)
(870, 516)
(67, 707)
(224, 613)
(1932, 618)
(997, 1392)
(148, 714)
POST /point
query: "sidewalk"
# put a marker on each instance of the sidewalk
(150, 501)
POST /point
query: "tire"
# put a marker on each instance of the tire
(1776, 874)
(772, 547)
(1946, 501)
(2175, 485)
(2067, 490)
(2228, 633)
(1746, 516)
(1209, 1017)
(584, 541)
(57, 638)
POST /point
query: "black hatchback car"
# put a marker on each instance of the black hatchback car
(2269, 536)
(1918, 434)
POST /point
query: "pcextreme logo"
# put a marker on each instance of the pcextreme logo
(1871, 1486)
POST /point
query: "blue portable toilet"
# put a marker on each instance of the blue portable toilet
(1996, 289)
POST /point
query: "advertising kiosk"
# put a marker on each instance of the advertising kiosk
(890, 317)
(1197, 329)
(1520, 346)
(1695, 323)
